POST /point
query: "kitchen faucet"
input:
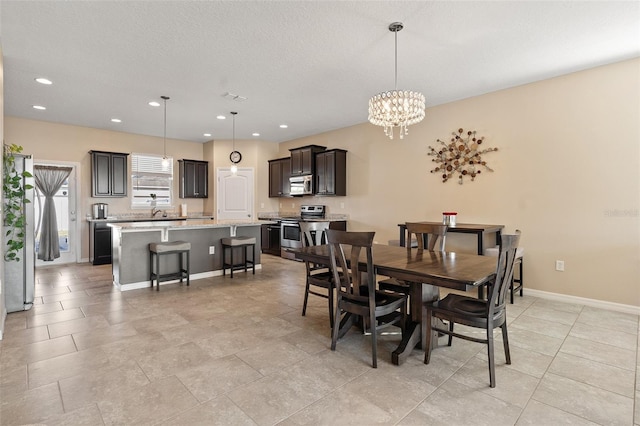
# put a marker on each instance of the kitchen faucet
(154, 212)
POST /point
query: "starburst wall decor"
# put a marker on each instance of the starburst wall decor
(462, 155)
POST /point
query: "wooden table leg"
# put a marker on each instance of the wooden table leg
(412, 337)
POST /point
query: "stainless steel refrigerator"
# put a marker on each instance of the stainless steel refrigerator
(19, 276)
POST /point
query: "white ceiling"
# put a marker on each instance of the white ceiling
(310, 64)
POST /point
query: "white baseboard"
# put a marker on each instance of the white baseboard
(146, 284)
(611, 306)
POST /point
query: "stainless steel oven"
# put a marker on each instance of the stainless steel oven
(290, 235)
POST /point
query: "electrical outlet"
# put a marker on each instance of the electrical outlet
(262, 205)
(342, 205)
(212, 249)
(560, 265)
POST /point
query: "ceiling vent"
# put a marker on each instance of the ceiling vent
(234, 97)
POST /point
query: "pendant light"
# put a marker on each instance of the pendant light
(397, 108)
(234, 167)
(165, 160)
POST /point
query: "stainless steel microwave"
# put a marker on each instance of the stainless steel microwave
(301, 185)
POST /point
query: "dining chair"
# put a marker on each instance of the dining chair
(357, 296)
(436, 237)
(488, 314)
(319, 281)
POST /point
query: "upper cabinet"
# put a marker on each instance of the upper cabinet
(331, 172)
(108, 174)
(279, 173)
(194, 178)
(303, 159)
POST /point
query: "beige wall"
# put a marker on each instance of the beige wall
(567, 174)
(65, 143)
(254, 155)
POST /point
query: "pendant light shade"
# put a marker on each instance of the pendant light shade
(396, 108)
(165, 160)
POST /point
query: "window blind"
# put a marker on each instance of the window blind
(149, 177)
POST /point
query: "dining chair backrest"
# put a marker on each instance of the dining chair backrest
(504, 272)
(436, 235)
(313, 233)
(345, 248)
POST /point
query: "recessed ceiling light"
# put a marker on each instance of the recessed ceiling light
(283, 126)
(116, 120)
(255, 134)
(221, 117)
(207, 135)
(154, 104)
(39, 107)
(43, 80)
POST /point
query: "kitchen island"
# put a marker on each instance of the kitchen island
(130, 247)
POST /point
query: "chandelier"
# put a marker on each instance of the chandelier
(396, 108)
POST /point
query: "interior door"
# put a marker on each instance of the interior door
(235, 194)
(66, 207)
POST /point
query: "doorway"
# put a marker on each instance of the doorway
(235, 194)
(65, 201)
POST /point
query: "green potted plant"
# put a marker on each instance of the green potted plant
(14, 190)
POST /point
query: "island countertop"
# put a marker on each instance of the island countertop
(184, 224)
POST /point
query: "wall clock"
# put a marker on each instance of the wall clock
(235, 157)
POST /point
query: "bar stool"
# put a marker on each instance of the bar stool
(517, 284)
(161, 249)
(233, 242)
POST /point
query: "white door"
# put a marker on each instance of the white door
(235, 194)
(65, 201)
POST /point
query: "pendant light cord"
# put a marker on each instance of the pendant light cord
(164, 135)
(233, 113)
(396, 68)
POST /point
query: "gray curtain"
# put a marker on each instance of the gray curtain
(48, 180)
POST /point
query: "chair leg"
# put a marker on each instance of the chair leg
(246, 249)
(492, 362)
(374, 340)
(505, 341)
(330, 296)
(188, 267)
(157, 272)
(231, 250)
(253, 259)
(451, 324)
(151, 268)
(336, 328)
(427, 334)
(306, 297)
(180, 267)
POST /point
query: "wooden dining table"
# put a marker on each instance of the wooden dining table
(426, 271)
(479, 230)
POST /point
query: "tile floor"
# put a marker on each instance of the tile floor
(238, 352)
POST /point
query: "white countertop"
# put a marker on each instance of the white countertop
(182, 224)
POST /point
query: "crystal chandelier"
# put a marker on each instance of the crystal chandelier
(397, 108)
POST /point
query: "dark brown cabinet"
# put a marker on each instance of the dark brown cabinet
(331, 172)
(279, 173)
(194, 178)
(270, 238)
(303, 159)
(100, 243)
(108, 174)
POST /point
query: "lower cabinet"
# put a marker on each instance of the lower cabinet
(100, 244)
(270, 236)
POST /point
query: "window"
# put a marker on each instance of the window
(149, 177)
